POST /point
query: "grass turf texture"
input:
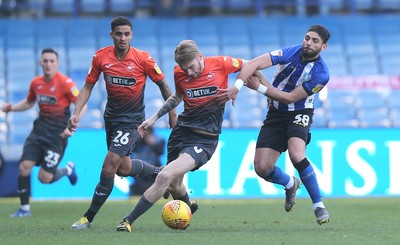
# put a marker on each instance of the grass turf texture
(353, 221)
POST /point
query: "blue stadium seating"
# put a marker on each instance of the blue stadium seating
(360, 45)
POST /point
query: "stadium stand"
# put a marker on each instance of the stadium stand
(361, 45)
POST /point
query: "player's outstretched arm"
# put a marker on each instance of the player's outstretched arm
(23, 105)
(170, 104)
(80, 106)
(166, 93)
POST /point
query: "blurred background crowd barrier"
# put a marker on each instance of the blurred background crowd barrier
(363, 57)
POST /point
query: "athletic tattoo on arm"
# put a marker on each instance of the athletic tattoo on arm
(164, 89)
(172, 102)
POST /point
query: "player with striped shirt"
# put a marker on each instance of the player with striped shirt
(300, 74)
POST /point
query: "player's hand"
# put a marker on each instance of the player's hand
(253, 82)
(227, 94)
(66, 133)
(142, 129)
(73, 123)
(6, 107)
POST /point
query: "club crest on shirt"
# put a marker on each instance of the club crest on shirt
(305, 77)
(317, 88)
(210, 76)
(201, 92)
(130, 68)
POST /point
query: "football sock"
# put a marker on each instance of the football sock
(185, 199)
(24, 189)
(141, 168)
(26, 207)
(60, 172)
(309, 179)
(318, 205)
(277, 176)
(101, 193)
(141, 207)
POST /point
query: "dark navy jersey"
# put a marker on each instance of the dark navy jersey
(200, 109)
(292, 72)
(125, 82)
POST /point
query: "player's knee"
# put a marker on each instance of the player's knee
(164, 178)
(261, 168)
(45, 179)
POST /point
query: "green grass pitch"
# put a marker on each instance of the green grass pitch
(353, 221)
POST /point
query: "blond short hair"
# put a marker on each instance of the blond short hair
(186, 51)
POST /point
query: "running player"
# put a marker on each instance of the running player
(46, 144)
(125, 70)
(193, 141)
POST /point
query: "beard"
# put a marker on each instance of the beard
(308, 53)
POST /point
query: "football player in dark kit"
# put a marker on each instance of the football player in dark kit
(125, 70)
(195, 137)
(46, 144)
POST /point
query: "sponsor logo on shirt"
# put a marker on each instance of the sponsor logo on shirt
(317, 88)
(75, 91)
(121, 81)
(235, 62)
(46, 99)
(201, 92)
(158, 70)
(109, 65)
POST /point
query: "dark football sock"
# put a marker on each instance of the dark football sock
(101, 193)
(141, 207)
(185, 199)
(142, 169)
(24, 189)
(60, 172)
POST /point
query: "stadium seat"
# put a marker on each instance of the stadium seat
(370, 99)
(210, 39)
(237, 51)
(203, 26)
(144, 27)
(339, 100)
(343, 118)
(390, 64)
(374, 117)
(17, 133)
(395, 117)
(393, 99)
(388, 5)
(118, 7)
(320, 119)
(63, 7)
(362, 65)
(92, 7)
(93, 118)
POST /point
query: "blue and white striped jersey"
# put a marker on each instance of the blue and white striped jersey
(292, 72)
